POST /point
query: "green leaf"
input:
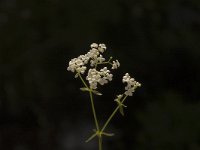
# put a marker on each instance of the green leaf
(96, 92)
(121, 110)
(84, 89)
(108, 134)
(121, 106)
(76, 75)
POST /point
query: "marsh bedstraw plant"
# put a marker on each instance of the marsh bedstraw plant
(92, 69)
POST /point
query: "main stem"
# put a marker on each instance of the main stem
(95, 116)
(100, 142)
(94, 113)
(96, 121)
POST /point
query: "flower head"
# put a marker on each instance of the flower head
(78, 64)
(119, 97)
(115, 64)
(102, 48)
(131, 84)
(102, 77)
(95, 53)
(94, 45)
(94, 56)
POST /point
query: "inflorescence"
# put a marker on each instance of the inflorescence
(94, 76)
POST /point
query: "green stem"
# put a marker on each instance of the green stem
(100, 142)
(111, 116)
(82, 80)
(92, 104)
(94, 111)
(106, 62)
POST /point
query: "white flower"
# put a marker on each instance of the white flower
(102, 77)
(119, 97)
(106, 75)
(93, 77)
(78, 64)
(102, 48)
(100, 59)
(94, 45)
(84, 58)
(81, 69)
(95, 55)
(92, 63)
(131, 84)
(115, 64)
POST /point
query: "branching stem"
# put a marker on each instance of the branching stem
(111, 116)
(98, 130)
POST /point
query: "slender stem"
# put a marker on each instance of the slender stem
(92, 104)
(100, 142)
(82, 80)
(106, 62)
(94, 111)
(96, 121)
(111, 116)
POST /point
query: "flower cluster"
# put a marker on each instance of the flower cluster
(95, 54)
(131, 84)
(102, 77)
(78, 64)
(94, 57)
(115, 64)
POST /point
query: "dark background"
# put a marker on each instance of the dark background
(156, 41)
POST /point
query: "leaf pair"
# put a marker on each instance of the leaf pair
(85, 89)
(99, 134)
(120, 104)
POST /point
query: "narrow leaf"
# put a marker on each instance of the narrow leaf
(76, 75)
(107, 134)
(96, 92)
(84, 89)
(121, 110)
(121, 106)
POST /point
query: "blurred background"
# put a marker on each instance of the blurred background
(157, 42)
